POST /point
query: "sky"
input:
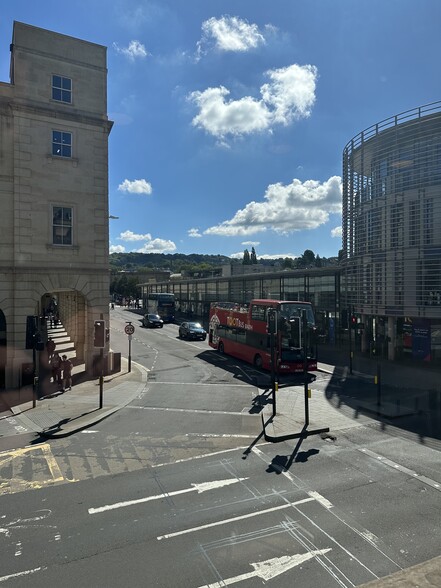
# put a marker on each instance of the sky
(231, 116)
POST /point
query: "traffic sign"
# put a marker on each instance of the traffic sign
(129, 329)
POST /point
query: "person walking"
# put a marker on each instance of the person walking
(56, 369)
(50, 348)
(67, 373)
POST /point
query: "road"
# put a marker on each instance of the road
(180, 489)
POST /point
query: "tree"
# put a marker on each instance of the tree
(246, 257)
(253, 257)
(307, 259)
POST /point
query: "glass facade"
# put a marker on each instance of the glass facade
(392, 215)
(320, 286)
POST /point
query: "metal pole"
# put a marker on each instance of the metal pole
(130, 352)
(350, 340)
(101, 376)
(305, 366)
(34, 376)
(273, 374)
(101, 370)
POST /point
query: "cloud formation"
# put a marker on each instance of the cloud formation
(288, 96)
(135, 50)
(229, 33)
(130, 236)
(286, 208)
(150, 245)
(337, 232)
(157, 246)
(117, 249)
(135, 187)
(194, 233)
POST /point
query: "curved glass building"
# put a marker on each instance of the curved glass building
(391, 231)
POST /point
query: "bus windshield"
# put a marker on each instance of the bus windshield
(290, 310)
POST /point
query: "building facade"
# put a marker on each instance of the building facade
(54, 238)
(392, 231)
(320, 286)
(389, 277)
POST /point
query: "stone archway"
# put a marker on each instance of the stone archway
(69, 306)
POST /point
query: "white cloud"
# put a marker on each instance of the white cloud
(285, 209)
(237, 117)
(157, 246)
(291, 92)
(250, 243)
(135, 187)
(337, 232)
(134, 50)
(117, 249)
(194, 233)
(130, 236)
(150, 245)
(288, 96)
(229, 33)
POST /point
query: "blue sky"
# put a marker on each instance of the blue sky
(231, 116)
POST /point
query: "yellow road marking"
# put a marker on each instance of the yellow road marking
(15, 483)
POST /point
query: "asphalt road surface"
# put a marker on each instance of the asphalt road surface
(180, 489)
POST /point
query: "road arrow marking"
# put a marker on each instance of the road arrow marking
(270, 568)
(204, 487)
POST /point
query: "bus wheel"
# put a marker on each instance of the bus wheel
(220, 347)
(258, 363)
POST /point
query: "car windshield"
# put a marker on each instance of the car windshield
(153, 317)
(195, 325)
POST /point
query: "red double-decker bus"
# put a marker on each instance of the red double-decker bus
(243, 333)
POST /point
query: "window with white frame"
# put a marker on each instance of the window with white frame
(61, 225)
(61, 144)
(62, 89)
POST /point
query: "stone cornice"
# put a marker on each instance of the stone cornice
(77, 117)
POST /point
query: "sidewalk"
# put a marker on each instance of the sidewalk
(405, 396)
(63, 414)
(423, 575)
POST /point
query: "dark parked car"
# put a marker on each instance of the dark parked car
(152, 320)
(191, 330)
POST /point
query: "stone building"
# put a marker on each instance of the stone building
(54, 240)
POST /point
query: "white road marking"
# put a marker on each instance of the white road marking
(320, 499)
(190, 410)
(223, 384)
(270, 568)
(19, 574)
(364, 533)
(234, 519)
(205, 455)
(402, 469)
(221, 436)
(199, 488)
